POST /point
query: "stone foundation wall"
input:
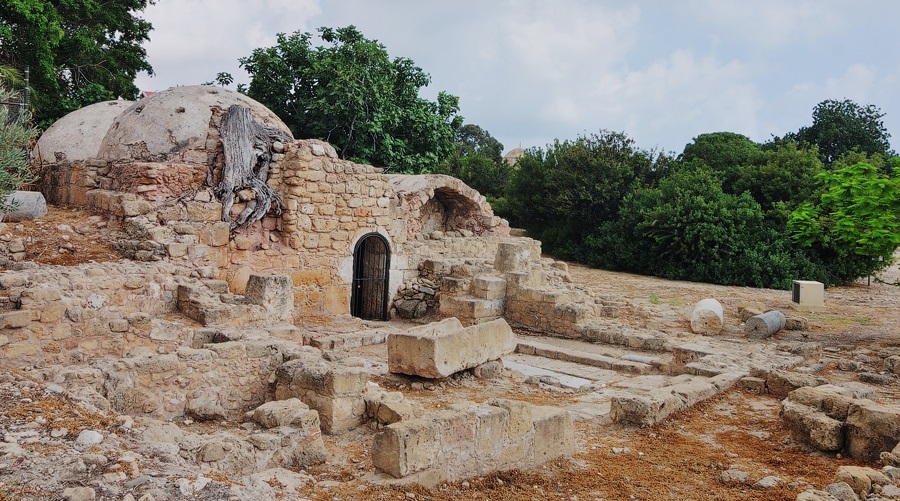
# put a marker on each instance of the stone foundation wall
(473, 439)
(220, 381)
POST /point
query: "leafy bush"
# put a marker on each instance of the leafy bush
(562, 194)
(14, 136)
(855, 223)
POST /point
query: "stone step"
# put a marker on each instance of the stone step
(349, 340)
(471, 309)
(537, 348)
(615, 334)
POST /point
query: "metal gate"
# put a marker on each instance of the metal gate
(371, 266)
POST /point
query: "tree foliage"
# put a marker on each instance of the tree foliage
(350, 93)
(78, 53)
(561, 194)
(855, 222)
(14, 137)
(478, 161)
(840, 127)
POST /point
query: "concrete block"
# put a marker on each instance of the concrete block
(440, 349)
(808, 295)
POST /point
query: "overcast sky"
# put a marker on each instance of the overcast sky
(531, 71)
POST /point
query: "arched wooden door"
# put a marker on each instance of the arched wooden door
(371, 267)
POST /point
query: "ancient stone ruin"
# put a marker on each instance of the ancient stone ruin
(256, 275)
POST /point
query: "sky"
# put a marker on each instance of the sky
(531, 71)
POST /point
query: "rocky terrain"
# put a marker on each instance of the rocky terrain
(60, 442)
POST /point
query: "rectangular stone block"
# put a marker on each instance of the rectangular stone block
(554, 433)
(440, 349)
(407, 447)
(489, 287)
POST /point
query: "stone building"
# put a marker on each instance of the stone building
(350, 236)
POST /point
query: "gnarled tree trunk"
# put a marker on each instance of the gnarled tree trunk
(248, 152)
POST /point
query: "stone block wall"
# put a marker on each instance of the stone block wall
(473, 439)
(221, 381)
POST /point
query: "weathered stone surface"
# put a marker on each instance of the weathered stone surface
(25, 206)
(205, 407)
(834, 401)
(707, 317)
(816, 495)
(291, 412)
(443, 348)
(764, 325)
(470, 439)
(512, 256)
(841, 491)
(780, 382)
(333, 388)
(822, 432)
(872, 429)
(860, 479)
(274, 293)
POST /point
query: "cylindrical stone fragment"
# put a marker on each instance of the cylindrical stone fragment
(764, 325)
(707, 317)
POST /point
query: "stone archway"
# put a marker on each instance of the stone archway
(371, 278)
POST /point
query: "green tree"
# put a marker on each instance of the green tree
(855, 223)
(478, 161)
(78, 52)
(560, 195)
(689, 228)
(784, 174)
(840, 127)
(350, 93)
(14, 137)
(726, 153)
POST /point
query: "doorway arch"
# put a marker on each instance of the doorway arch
(371, 277)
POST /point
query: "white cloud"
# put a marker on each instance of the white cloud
(772, 24)
(192, 40)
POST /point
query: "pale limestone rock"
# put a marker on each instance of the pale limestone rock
(707, 317)
(443, 348)
(872, 429)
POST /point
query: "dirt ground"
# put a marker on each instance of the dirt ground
(698, 454)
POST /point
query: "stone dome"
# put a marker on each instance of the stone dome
(77, 136)
(170, 124)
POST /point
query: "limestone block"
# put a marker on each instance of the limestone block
(472, 309)
(822, 432)
(554, 433)
(440, 349)
(520, 417)
(15, 319)
(861, 479)
(205, 407)
(779, 383)
(291, 412)
(815, 495)
(707, 317)
(274, 293)
(25, 206)
(488, 287)
(834, 401)
(872, 429)
(407, 447)
(512, 256)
